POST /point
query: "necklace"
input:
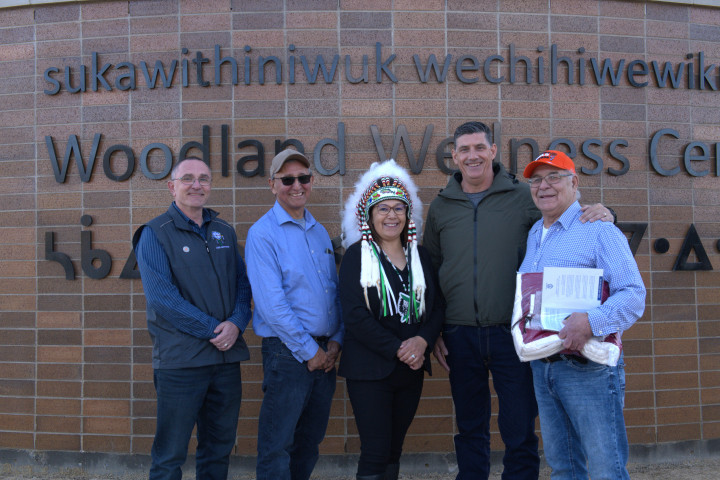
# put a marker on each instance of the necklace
(404, 304)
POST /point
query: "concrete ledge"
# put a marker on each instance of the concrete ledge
(328, 465)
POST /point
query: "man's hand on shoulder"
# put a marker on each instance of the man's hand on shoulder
(595, 212)
(226, 335)
(319, 361)
(576, 332)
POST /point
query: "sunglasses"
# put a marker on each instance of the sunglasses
(287, 181)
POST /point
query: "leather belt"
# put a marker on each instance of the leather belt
(564, 356)
(321, 339)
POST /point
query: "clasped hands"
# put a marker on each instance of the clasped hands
(412, 352)
(226, 335)
(325, 360)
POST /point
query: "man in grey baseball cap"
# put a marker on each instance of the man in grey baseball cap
(291, 267)
(285, 156)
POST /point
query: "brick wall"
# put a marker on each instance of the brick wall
(74, 354)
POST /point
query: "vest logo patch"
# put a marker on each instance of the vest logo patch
(219, 239)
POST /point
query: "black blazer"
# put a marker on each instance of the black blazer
(371, 341)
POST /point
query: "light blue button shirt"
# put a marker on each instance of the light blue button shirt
(570, 243)
(294, 281)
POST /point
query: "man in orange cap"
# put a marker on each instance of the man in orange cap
(580, 401)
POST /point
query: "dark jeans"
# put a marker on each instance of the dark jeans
(474, 352)
(384, 410)
(294, 414)
(208, 396)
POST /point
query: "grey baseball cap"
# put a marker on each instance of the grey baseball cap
(284, 156)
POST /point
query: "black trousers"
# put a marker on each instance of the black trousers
(384, 410)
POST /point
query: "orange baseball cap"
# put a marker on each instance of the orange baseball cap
(554, 158)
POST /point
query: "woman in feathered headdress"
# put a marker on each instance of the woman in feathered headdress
(392, 313)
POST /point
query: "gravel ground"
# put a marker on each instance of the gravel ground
(694, 469)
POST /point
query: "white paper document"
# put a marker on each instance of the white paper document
(568, 290)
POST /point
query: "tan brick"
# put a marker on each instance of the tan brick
(107, 337)
(106, 425)
(711, 430)
(106, 443)
(143, 445)
(676, 363)
(17, 422)
(676, 433)
(59, 424)
(17, 440)
(641, 435)
(17, 354)
(17, 370)
(52, 441)
(58, 371)
(107, 390)
(65, 389)
(675, 347)
(17, 337)
(59, 354)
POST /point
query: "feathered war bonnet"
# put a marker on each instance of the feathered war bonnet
(384, 181)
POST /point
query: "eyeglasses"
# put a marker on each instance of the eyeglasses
(190, 180)
(550, 178)
(303, 179)
(384, 210)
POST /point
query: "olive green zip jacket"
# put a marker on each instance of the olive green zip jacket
(478, 250)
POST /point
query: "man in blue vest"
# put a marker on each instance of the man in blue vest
(198, 305)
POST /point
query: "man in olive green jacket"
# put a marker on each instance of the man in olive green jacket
(476, 232)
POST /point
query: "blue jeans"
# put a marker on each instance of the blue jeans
(294, 414)
(581, 419)
(474, 353)
(209, 396)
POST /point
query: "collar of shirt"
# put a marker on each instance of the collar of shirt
(569, 215)
(201, 229)
(283, 216)
(565, 220)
